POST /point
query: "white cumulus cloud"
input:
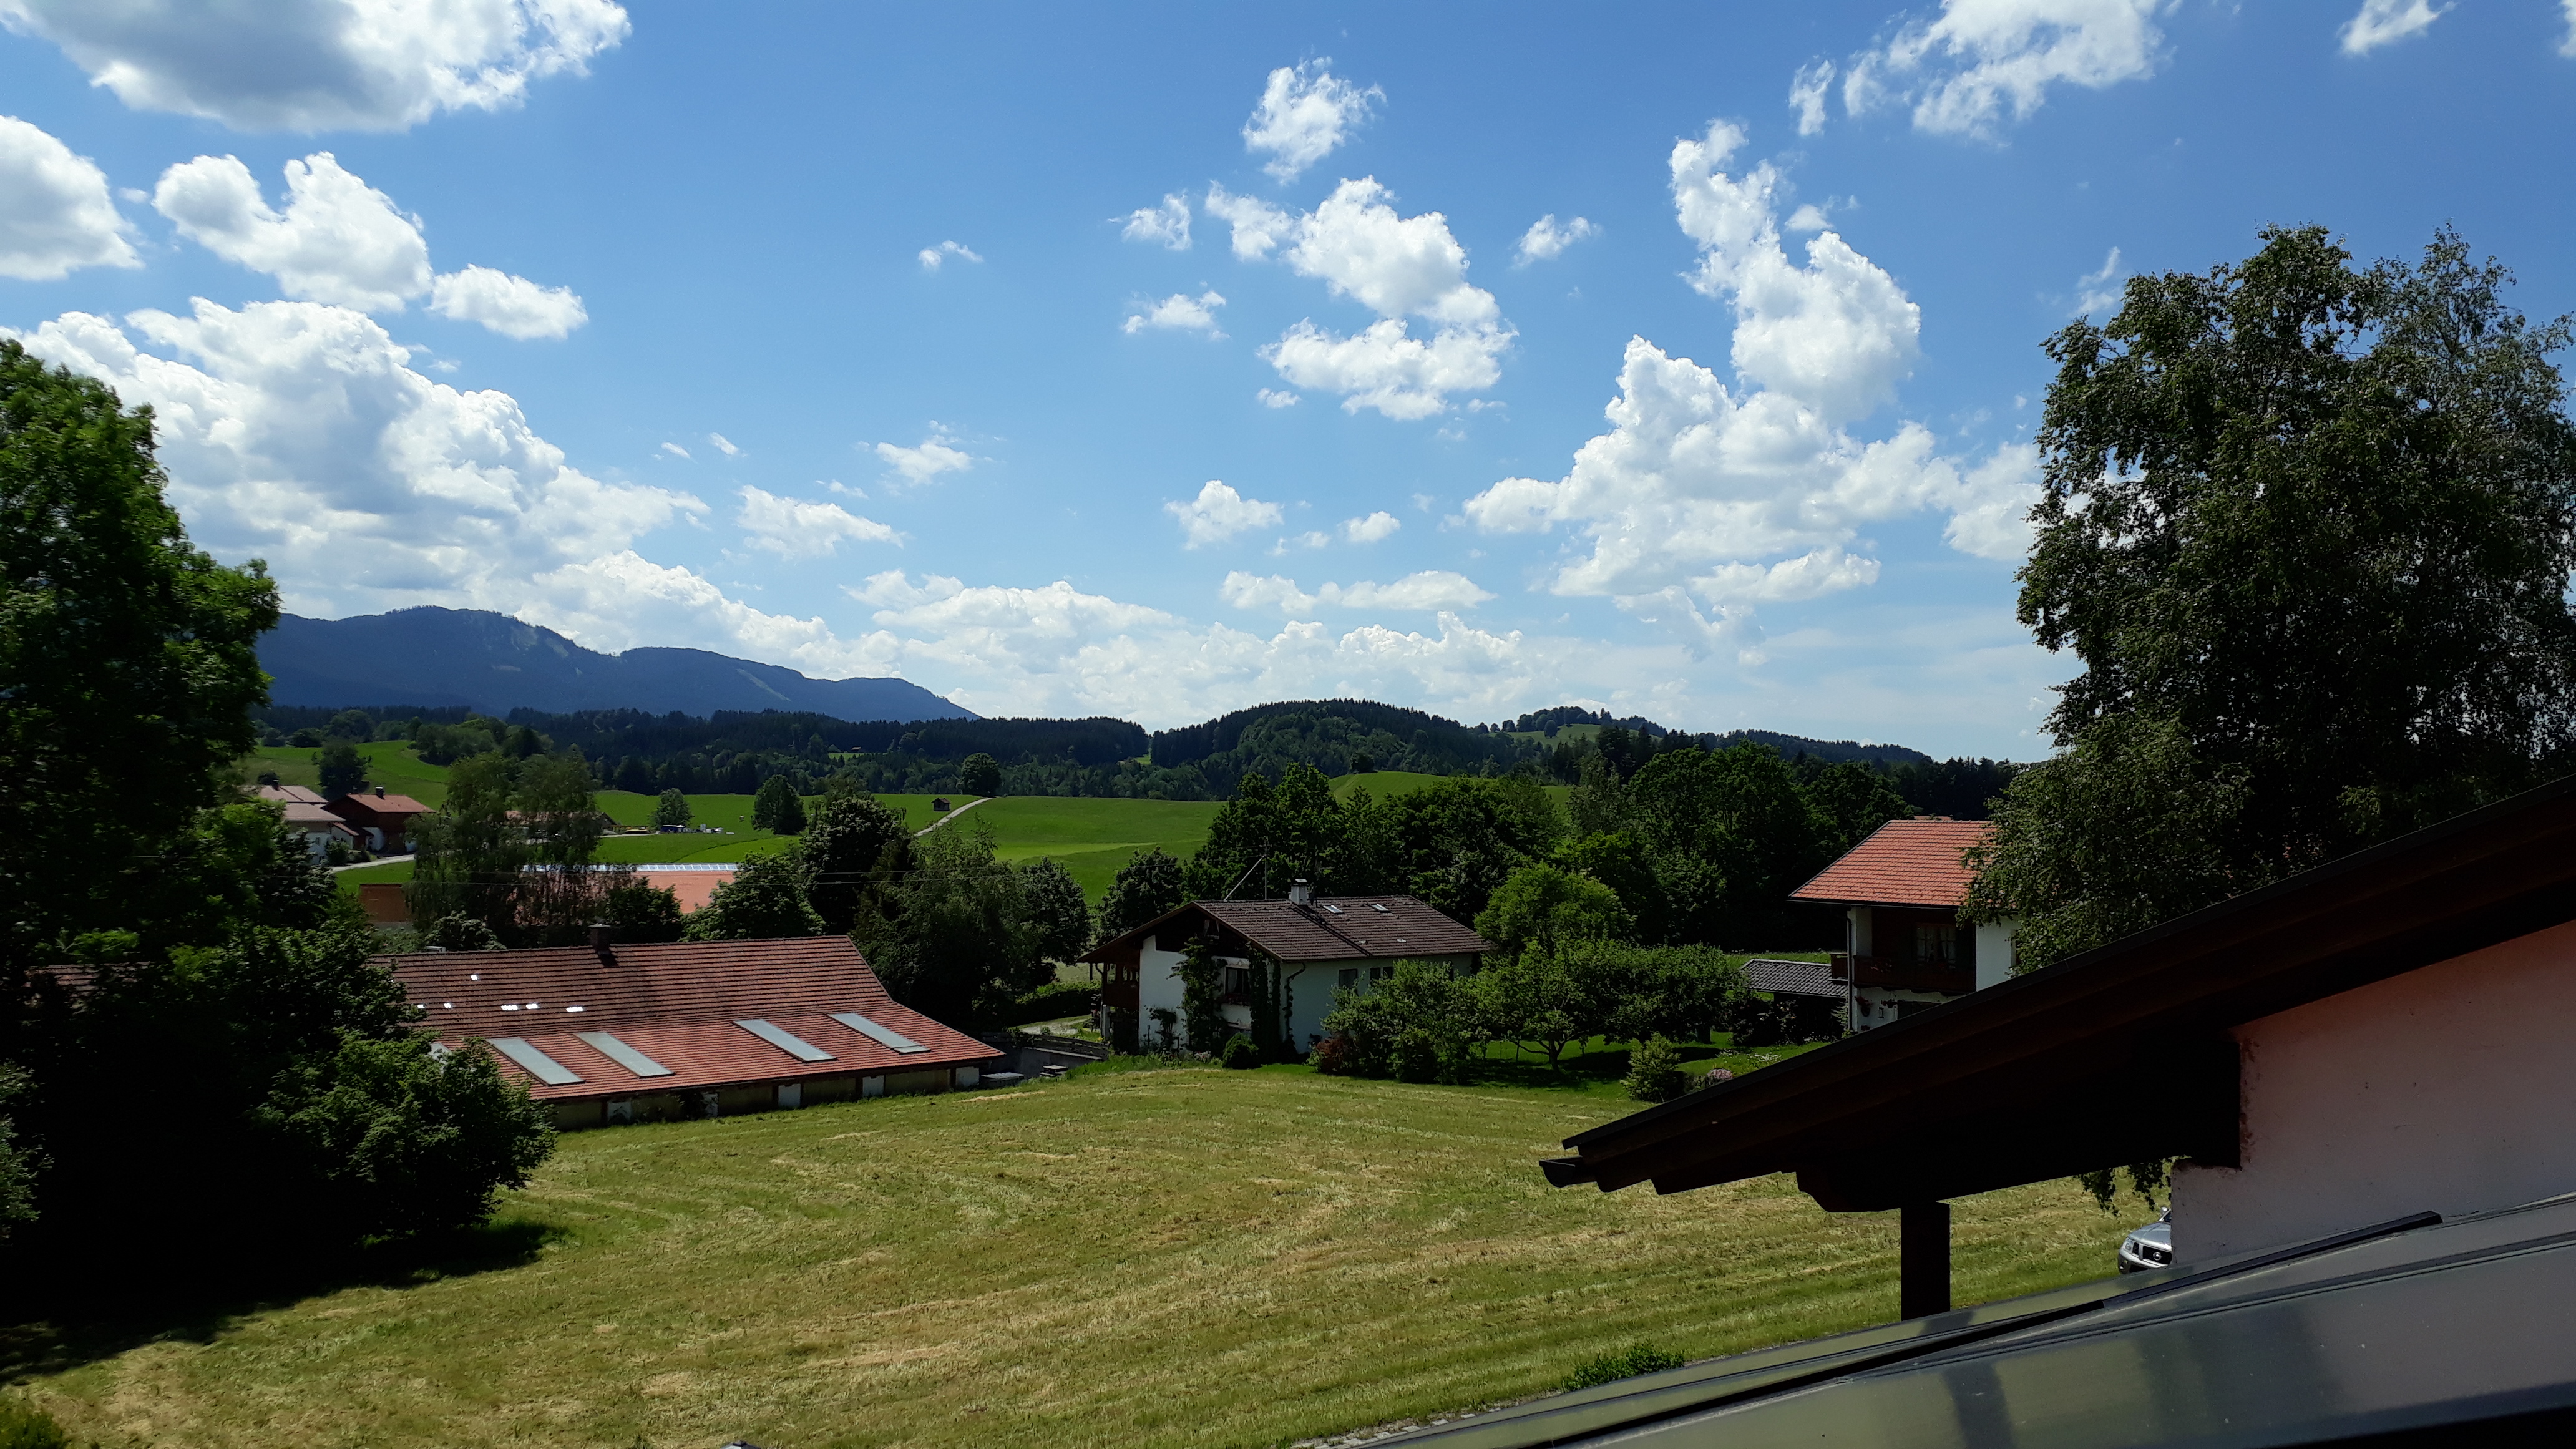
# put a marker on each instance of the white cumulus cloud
(1398, 267)
(1305, 112)
(1374, 528)
(675, 450)
(926, 460)
(343, 242)
(2380, 22)
(1545, 240)
(314, 65)
(511, 306)
(1168, 223)
(932, 258)
(1272, 397)
(794, 528)
(724, 445)
(1429, 591)
(299, 433)
(55, 215)
(1697, 489)
(1981, 59)
(1179, 312)
(1219, 513)
(339, 240)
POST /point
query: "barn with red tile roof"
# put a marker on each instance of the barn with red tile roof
(1903, 947)
(614, 1033)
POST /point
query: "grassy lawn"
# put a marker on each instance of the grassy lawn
(1172, 1257)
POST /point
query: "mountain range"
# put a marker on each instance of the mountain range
(494, 663)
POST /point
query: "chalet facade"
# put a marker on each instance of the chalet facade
(383, 821)
(1904, 949)
(1281, 962)
(609, 1033)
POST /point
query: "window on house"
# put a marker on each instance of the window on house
(1350, 978)
(1936, 944)
(1378, 975)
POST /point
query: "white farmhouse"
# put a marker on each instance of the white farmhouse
(1904, 950)
(1285, 957)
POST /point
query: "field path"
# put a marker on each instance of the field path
(951, 815)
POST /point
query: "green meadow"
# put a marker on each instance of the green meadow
(1143, 1257)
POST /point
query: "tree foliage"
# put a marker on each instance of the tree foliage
(844, 846)
(127, 660)
(765, 898)
(1543, 905)
(2309, 529)
(1149, 884)
(671, 808)
(776, 808)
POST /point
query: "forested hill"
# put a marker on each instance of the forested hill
(733, 751)
(477, 659)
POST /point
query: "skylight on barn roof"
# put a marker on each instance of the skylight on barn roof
(883, 1035)
(785, 1040)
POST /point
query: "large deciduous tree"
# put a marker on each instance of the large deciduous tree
(2309, 527)
(127, 661)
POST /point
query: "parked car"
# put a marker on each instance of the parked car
(2150, 1246)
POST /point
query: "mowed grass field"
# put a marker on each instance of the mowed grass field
(1092, 838)
(1175, 1257)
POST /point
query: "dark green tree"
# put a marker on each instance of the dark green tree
(775, 807)
(955, 936)
(471, 858)
(672, 808)
(765, 898)
(127, 661)
(1542, 905)
(1149, 884)
(2309, 529)
(340, 769)
(1850, 801)
(1059, 919)
(641, 911)
(979, 774)
(841, 848)
(556, 811)
(1730, 834)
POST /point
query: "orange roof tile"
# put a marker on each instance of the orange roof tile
(677, 1004)
(1902, 863)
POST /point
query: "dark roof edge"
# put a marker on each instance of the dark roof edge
(1895, 1037)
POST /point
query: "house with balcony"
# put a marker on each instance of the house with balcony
(1904, 949)
(1292, 957)
(384, 821)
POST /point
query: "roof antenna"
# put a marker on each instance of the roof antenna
(1247, 875)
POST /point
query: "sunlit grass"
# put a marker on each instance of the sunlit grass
(1177, 1257)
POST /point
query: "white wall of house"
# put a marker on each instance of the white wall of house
(2451, 1087)
(1311, 987)
(1995, 952)
(1878, 1005)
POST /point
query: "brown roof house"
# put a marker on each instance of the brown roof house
(617, 1033)
(383, 821)
(1320, 947)
(307, 815)
(1904, 950)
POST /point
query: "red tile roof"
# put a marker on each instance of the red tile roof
(288, 794)
(1339, 928)
(677, 1004)
(1902, 863)
(363, 806)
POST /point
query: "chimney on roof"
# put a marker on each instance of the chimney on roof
(380, 792)
(1300, 893)
(601, 934)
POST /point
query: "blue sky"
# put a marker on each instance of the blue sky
(1158, 361)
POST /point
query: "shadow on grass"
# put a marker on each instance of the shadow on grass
(77, 1312)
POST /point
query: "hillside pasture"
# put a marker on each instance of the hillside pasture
(1092, 838)
(1159, 1257)
(390, 763)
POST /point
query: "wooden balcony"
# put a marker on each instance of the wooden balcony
(1900, 973)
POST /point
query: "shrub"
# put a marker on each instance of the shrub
(1240, 1053)
(1332, 1057)
(24, 1426)
(1609, 1368)
(1415, 1025)
(1655, 1072)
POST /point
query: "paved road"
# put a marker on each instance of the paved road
(951, 815)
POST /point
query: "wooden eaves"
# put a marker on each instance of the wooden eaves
(2121, 1054)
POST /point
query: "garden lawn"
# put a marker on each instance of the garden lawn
(1170, 1257)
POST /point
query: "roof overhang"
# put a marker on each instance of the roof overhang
(2121, 1054)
